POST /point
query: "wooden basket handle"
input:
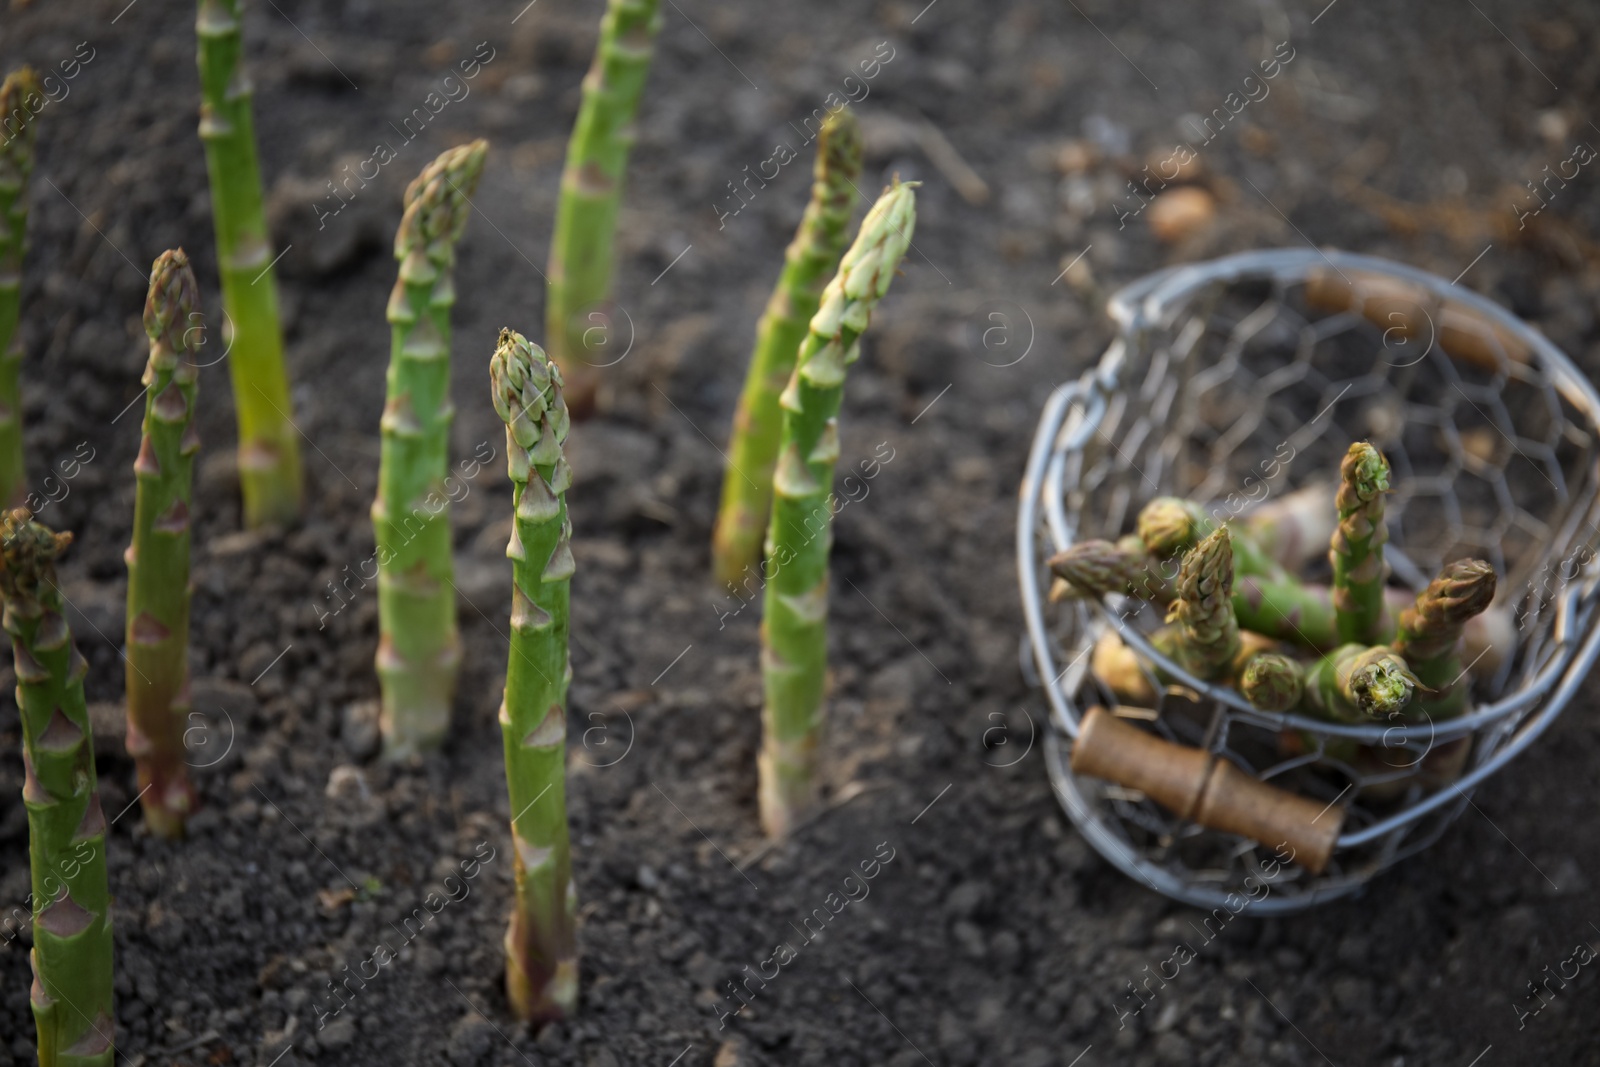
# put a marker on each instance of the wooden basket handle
(1197, 786)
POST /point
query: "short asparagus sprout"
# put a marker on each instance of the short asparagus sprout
(72, 993)
(1430, 633)
(1207, 631)
(158, 560)
(1355, 683)
(1356, 552)
(581, 252)
(269, 451)
(794, 624)
(20, 99)
(419, 647)
(1171, 526)
(808, 263)
(1272, 681)
(541, 941)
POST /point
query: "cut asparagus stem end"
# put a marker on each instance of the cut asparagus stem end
(1381, 684)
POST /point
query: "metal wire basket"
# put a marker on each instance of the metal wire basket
(1217, 367)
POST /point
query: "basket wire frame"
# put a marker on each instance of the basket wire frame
(1220, 366)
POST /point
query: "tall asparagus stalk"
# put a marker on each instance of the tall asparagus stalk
(158, 560)
(1207, 632)
(269, 454)
(794, 624)
(541, 941)
(1430, 632)
(19, 96)
(579, 286)
(419, 649)
(1356, 552)
(808, 263)
(71, 995)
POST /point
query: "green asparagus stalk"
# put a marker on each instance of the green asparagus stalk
(581, 253)
(72, 995)
(1354, 683)
(794, 624)
(1272, 681)
(269, 454)
(1207, 631)
(808, 263)
(1430, 632)
(419, 648)
(1356, 552)
(19, 98)
(158, 560)
(1170, 526)
(541, 941)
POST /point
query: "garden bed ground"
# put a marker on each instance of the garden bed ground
(993, 935)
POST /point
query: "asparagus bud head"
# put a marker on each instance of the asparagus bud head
(29, 552)
(1272, 681)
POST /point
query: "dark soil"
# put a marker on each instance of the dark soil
(993, 935)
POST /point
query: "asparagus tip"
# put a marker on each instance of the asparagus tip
(1464, 588)
(20, 86)
(1272, 681)
(869, 265)
(173, 296)
(28, 552)
(1364, 471)
(1169, 524)
(1382, 685)
(438, 201)
(527, 393)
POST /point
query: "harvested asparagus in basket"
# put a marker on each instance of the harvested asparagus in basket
(1207, 634)
(1430, 633)
(1272, 681)
(1170, 525)
(1355, 683)
(1356, 552)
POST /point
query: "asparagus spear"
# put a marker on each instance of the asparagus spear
(269, 454)
(419, 649)
(1354, 683)
(1294, 528)
(1207, 631)
(1272, 681)
(1356, 552)
(1170, 525)
(158, 560)
(1430, 632)
(541, 941)
(72, 995)
(1096, 568)
(581, 253)
(794, 624)
(747, 484)
(19, 95)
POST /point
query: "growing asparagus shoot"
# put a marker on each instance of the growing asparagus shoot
(19, 96)
(1170, 525)
(419, 648)
(541, 941)
(809, 261)
(158, 559)
(579, 273)
(794, 621)
(1272, 681)
(1207, 632)
(72, 993)
(1356, 552)
(269, 454)
(1430, 631)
